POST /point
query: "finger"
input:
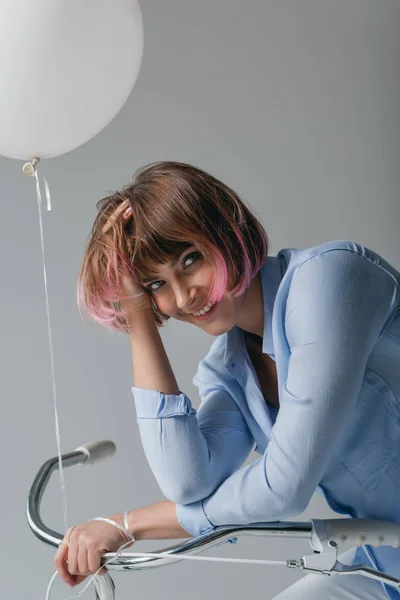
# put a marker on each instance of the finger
(127, 213)
(72, 559)
(124, 207)
(94, 562)
(60, 561)
(82, 558)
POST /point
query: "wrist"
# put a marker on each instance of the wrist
(132, 522)
(135, 315)
(155, 522)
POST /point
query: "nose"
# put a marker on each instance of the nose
(185, 298)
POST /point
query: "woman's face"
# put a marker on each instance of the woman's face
(182, 287)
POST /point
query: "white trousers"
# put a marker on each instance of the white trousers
(335, 587)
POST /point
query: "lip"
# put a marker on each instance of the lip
(208, 314)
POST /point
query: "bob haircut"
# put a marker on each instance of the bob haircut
(174, 205)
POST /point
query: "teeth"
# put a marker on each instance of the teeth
(204, 310)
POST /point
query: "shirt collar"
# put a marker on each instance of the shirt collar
(271, 274)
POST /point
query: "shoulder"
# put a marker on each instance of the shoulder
(340, 263)
(345, 286)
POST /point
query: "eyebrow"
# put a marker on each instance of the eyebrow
(173, 263)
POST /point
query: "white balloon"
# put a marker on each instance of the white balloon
(66, 69)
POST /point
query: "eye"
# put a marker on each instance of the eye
(196, 254)
(187, 257)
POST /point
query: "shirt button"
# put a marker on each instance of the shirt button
(233, 364)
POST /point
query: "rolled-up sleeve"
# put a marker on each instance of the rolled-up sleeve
(338, 305)
(152, 404)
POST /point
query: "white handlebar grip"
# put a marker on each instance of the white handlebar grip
(96, 451)
(357, 531)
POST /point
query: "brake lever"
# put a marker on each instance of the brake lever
(324, 560)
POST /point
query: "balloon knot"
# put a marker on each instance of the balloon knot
(29, 168)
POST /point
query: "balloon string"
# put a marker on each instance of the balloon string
(47, 190)
(31, 169)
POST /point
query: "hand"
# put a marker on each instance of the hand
(133, 295)
(83, 546)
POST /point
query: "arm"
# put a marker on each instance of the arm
(151, 367)
(189, 452)
(185, 450)
(338, 306)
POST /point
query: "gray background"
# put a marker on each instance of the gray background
(295, 104)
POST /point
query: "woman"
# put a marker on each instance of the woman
(304, 370)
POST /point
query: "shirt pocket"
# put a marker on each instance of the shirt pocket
(372, 439)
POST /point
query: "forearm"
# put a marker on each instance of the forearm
(151, 366)
(166, 427)
(155, 522)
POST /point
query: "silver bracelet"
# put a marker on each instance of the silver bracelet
(124, 529)
(126, 525)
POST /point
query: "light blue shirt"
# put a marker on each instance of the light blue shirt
(332, 325)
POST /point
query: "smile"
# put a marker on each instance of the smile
(206, 315)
